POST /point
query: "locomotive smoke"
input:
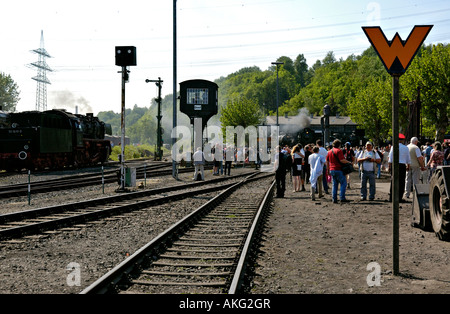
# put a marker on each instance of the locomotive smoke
(68, 101)
(298, 122)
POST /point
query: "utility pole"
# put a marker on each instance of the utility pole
(158, 152)
(41, 77)
(174, 162)
(277, 64)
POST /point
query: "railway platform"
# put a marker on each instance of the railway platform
(317, 247)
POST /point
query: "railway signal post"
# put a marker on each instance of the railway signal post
(158, 152)
(396, 56)
(125, 56)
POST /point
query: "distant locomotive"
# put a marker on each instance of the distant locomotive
(305, 136)
(310, 136)
(52, 139)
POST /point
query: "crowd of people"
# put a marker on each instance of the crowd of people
(223, 158)
(322, 167)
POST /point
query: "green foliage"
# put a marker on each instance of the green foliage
(133, 152)
(252, 83)
(429, 74)
(242, 111)
(358, 86)
(371, 107)
(140, 124)
(9, 93)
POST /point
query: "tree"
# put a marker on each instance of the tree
(288, 64)
(143, 131)
(241, 112)
(371, 109)
(329, 58)
(429, 72)
(267, 90)
(301, 70)
(9, 93)
(321, 90)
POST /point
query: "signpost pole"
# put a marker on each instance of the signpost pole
(174, 105)
(396, 56)
(122, 127)
(395, 172)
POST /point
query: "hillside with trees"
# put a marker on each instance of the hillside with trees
(357, 86)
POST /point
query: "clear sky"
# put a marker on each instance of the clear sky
(215, 38)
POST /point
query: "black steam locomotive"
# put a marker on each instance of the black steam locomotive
(52, 139)
(310, 136)
(305, 136)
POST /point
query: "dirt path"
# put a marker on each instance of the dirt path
(321, 247)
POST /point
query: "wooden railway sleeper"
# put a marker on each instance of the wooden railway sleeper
(174, 235)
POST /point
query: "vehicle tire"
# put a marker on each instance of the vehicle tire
(439, 206)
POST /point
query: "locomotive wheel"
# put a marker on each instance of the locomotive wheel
(439, 206)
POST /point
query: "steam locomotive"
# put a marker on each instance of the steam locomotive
(305, 136)
(308, 136)
(52, 139)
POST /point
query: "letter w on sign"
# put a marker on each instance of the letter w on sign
(397, 54)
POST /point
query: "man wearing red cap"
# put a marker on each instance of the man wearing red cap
(404, 161)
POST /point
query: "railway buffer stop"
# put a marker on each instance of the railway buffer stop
(199, 100)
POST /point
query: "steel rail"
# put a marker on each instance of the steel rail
(239, 274)
(109, 282)
(82, 217)
(69, 183)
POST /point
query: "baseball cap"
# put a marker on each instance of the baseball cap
(401, 136)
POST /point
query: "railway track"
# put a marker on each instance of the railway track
(34, 221)
(80, 180)
(205, 252)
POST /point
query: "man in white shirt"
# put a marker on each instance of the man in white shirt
(404, 161)
(199, 162)
(369, 160)
(417, 165)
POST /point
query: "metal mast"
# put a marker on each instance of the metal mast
(41, 77)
